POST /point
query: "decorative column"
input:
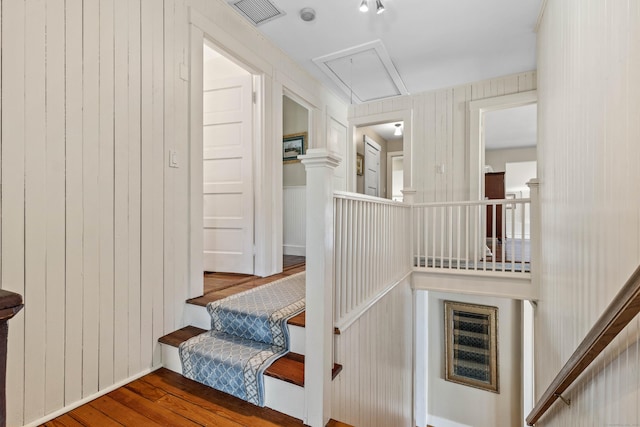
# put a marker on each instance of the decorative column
(10, 305)
(319, 164)
(536, 235)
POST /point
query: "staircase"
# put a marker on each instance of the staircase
(283, 380)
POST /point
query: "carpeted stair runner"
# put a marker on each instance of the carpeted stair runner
(248, 333)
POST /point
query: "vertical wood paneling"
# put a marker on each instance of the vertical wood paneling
(13, 244)
(55, 205)
(135, 187)
(588, 152)
(146, 227)
(35, 207)
(74, 202)
(90, 188)
(121, 190)
(375, 387)
(157, 189)
(106, 191)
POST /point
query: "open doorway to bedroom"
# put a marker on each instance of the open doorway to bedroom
(380, 159)
(295, 130)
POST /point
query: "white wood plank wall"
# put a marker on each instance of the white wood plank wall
(440, 132)
(82, 196)
(589, 62)
(375, 388)
(294, 220)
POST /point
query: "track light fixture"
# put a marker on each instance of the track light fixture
(364, 6)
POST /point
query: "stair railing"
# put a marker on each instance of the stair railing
(624, 307)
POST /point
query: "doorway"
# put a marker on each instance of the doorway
(227, 164)
(295, 128)
(380, 149)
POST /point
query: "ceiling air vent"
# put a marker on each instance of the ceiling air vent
(257, 11)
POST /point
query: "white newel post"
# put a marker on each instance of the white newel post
(319, 164)
(536, 234)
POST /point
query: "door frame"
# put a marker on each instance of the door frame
(476, 133)
(202, 28)
(390, 156)
(405, 116)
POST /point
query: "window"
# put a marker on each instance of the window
(471, 336)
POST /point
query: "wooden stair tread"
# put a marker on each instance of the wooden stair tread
(290, 368)
(176, 338)
(334, 423)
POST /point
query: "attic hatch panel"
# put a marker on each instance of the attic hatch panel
(366, 75)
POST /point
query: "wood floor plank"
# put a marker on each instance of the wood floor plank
(157, 413)
(121, 413)
(195, 413)
(217, 402)
(63, 421)
(145, 390)
(87, 415)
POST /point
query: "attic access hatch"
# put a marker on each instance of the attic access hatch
(257, 12)
(365, 72)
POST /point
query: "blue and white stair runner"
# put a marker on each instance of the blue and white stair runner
(248, 333)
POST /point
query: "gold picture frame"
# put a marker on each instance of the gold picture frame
(293, 145)
(359, 164)
(471, 335)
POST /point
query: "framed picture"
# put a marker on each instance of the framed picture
(359, 164)
(471, 335)
(293, 146)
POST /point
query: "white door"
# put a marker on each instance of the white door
(227, 173)
(371, 167)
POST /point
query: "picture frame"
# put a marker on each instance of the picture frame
(471, 345)
(293, 145)
(359, 164)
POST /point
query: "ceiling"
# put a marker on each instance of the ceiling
(511, 128)
(414, 46)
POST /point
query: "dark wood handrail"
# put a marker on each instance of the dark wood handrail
(624, 307)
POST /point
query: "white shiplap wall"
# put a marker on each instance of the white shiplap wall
(589, 151)
(441, 129)
(82, 202)
(375, 387)
(94, 225)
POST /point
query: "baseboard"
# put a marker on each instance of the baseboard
(88, 399)
(294, 250)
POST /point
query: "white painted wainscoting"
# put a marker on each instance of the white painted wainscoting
(373, 310)
(294, 220)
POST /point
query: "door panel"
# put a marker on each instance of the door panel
(371, 167)
(227, 175)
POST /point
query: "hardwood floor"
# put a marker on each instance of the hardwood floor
(164, 398)
(222, 285)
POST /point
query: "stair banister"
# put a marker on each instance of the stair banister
(624, 307)
(319, 164)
